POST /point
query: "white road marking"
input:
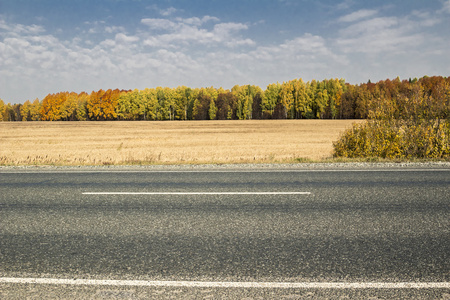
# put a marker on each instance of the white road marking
(197, 193)
(214, 284)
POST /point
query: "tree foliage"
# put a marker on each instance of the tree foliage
(422, 98)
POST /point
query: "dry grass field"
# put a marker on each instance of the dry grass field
(190, 142)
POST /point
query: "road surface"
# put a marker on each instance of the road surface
(267, 233)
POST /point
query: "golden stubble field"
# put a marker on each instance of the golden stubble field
(176, 142)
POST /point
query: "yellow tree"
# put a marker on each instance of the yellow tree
(170, 97)
(35, 110)
(150, 102)
(243, 102)
(51, 109)
(69, 108)
(184, 99)
(25, 111)
(302, 101)
(287, 99)
(2, 109)
(102, 105)
(131, 105)
(82, 101)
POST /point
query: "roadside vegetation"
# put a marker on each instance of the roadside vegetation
(397, 120)
(406, 120)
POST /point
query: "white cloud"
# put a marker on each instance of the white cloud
(425, 19)
(446, 7)
(168, 11)
(190, 31)
(345, 5)
(113, 29)
(122, 38)
(358, 15)
(163, 24)
(392, 35)
(369, 33)
(197, 21)
(370, 26)
(19, 29)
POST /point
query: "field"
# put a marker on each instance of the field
(177, 142)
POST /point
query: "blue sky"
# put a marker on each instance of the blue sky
(47, 46)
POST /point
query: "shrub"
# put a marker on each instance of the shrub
(395, 139)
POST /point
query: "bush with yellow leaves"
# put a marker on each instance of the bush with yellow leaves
(395, 139)
(411, 124)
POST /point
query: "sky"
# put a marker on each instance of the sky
(49, 46)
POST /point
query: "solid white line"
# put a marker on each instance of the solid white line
(214, 284)
(197, 193)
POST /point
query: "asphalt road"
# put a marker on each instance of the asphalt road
(350, 225)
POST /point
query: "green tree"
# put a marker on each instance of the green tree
(212, 110)
(130, 106)
(270, 99)
(183, 101)
(150, 101)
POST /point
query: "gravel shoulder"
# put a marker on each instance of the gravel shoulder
(237, 167)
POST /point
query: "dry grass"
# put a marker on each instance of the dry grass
(191, 142)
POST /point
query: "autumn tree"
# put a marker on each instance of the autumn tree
(348, 101)
(69, 107)
(162, 109)
(102, 104)
(270, 99)
(257, 112)
(9, 112)
(52, 106)
(35, 110)
(2, 109)
(183, 102)
(226, 106)
(286, 100)
(202, 105)
(82, 111)
(130, 106)
(245, 96)
(243, 104)
(25, 111)
(150, 103)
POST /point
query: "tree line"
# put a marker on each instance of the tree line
(294, 99)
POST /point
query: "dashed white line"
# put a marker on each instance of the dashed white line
(219, 284)
(197, 193)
